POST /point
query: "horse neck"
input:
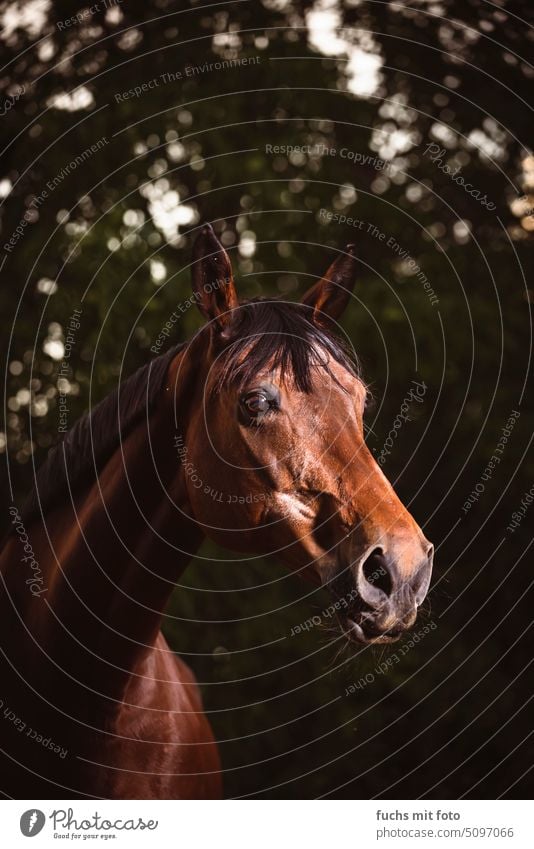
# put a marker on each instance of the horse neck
(110, 559)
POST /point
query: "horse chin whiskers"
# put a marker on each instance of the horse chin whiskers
(356, 633)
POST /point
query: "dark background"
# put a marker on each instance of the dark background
(451, 718)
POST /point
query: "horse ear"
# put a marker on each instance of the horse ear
(330, 295)
(213, 282)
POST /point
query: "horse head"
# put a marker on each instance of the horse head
(274, 449)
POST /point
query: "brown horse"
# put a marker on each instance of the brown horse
(250, 434)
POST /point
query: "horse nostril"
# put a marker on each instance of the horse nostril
(376, 573)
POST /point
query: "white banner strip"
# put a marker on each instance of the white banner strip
(272, 823)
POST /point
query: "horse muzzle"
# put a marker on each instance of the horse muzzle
(384, 594)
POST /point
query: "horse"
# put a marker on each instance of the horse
(263, 406)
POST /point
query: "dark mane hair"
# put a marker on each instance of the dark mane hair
(270, 332)
(93, 439)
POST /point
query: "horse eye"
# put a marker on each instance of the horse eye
(256, 403)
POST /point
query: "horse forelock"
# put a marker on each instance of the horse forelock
(266, 333)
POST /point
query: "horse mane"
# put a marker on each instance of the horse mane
(91, 441)
(267, 332)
